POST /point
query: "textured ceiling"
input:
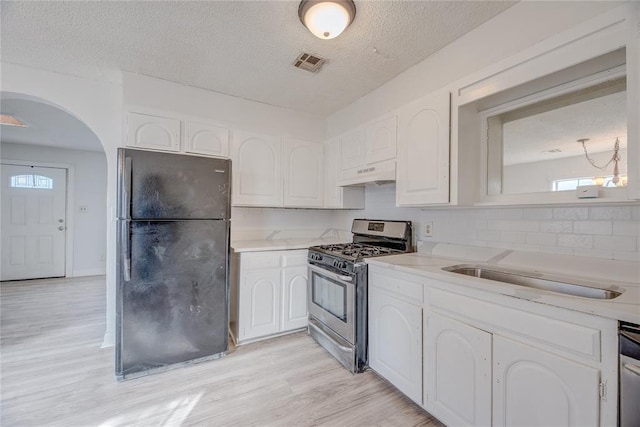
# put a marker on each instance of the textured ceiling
(240, 48)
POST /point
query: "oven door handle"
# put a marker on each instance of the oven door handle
(331, 274)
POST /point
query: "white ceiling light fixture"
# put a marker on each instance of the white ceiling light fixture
(326, 19)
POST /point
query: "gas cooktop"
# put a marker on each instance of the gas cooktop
(355, 250)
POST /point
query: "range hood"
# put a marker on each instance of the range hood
(376, 173)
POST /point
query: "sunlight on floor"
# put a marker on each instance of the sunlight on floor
(173, 413)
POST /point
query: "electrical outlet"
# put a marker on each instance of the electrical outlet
(84, 209)
(428, 229)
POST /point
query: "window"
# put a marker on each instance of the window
(573, 183)
(32, 181)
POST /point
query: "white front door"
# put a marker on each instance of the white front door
(33, 222)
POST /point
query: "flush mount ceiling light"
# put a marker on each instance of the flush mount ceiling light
(9, 120)
(326, 19)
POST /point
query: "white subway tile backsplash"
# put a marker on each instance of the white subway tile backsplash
(556, 226)
(610, 212)
(626, 228)
(488, 235)
(615, 243)
(514, 225)
(542, 239)
(571, 213)
(635, 213)
(513, 236)
(575, 241)
(537, 213)
(593, 227)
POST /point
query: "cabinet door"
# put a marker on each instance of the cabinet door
(423, 152)
(257, 170)
(206, 139)
(303, 173)
(457, 374)
(395, 342)
(148, 131)
(353, 149)
(294, 298)
(380, 140)
(259, 303)
(536, 388)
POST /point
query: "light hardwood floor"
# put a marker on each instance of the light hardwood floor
(53, 372)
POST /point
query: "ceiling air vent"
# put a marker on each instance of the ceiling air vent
(309, 62)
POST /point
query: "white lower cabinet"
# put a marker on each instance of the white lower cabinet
(395, 336)
(269, 294)
(533, 387)
(492, 360)
(260, 303)
(294, 297)
(457, 374)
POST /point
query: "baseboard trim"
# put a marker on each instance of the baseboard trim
(89, 272)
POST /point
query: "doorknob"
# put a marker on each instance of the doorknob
(61, 228)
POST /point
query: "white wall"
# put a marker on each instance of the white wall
(99, 106)
(89, 189)
(611, 232)
(539, 176)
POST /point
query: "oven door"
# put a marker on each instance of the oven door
(331, 299)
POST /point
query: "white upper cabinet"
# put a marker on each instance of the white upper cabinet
(353, 149)
(334, 196)
(171, 132)
(380, 140)
(423, 152)
(303, 173)
(201, 138)
(257, 170)
(151, 131)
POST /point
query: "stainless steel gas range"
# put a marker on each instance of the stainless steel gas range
(337, 294)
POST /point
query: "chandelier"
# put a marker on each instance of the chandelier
(618, 180)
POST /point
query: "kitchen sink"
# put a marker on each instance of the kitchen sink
(533, 280)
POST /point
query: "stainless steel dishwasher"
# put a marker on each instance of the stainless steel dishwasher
(629, 343)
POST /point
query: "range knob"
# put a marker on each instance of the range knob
(342, 264)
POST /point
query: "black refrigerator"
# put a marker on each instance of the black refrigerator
(172, 293)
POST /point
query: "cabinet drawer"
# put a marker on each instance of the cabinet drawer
(558, 334)
(398, 285)
(260, 260)
(295, 258)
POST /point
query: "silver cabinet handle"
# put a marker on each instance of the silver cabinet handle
(345, 278)
(632, 368)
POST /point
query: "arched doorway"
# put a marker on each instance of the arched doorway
(54, 193)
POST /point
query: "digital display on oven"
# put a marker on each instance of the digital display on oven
(376, 226)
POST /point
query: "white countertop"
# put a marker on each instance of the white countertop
(609, 274)
(283, 244)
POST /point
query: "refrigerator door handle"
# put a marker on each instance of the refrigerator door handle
(125, 195)
(125, 238)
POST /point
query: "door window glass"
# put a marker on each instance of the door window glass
(32, 181)
(330, 295)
